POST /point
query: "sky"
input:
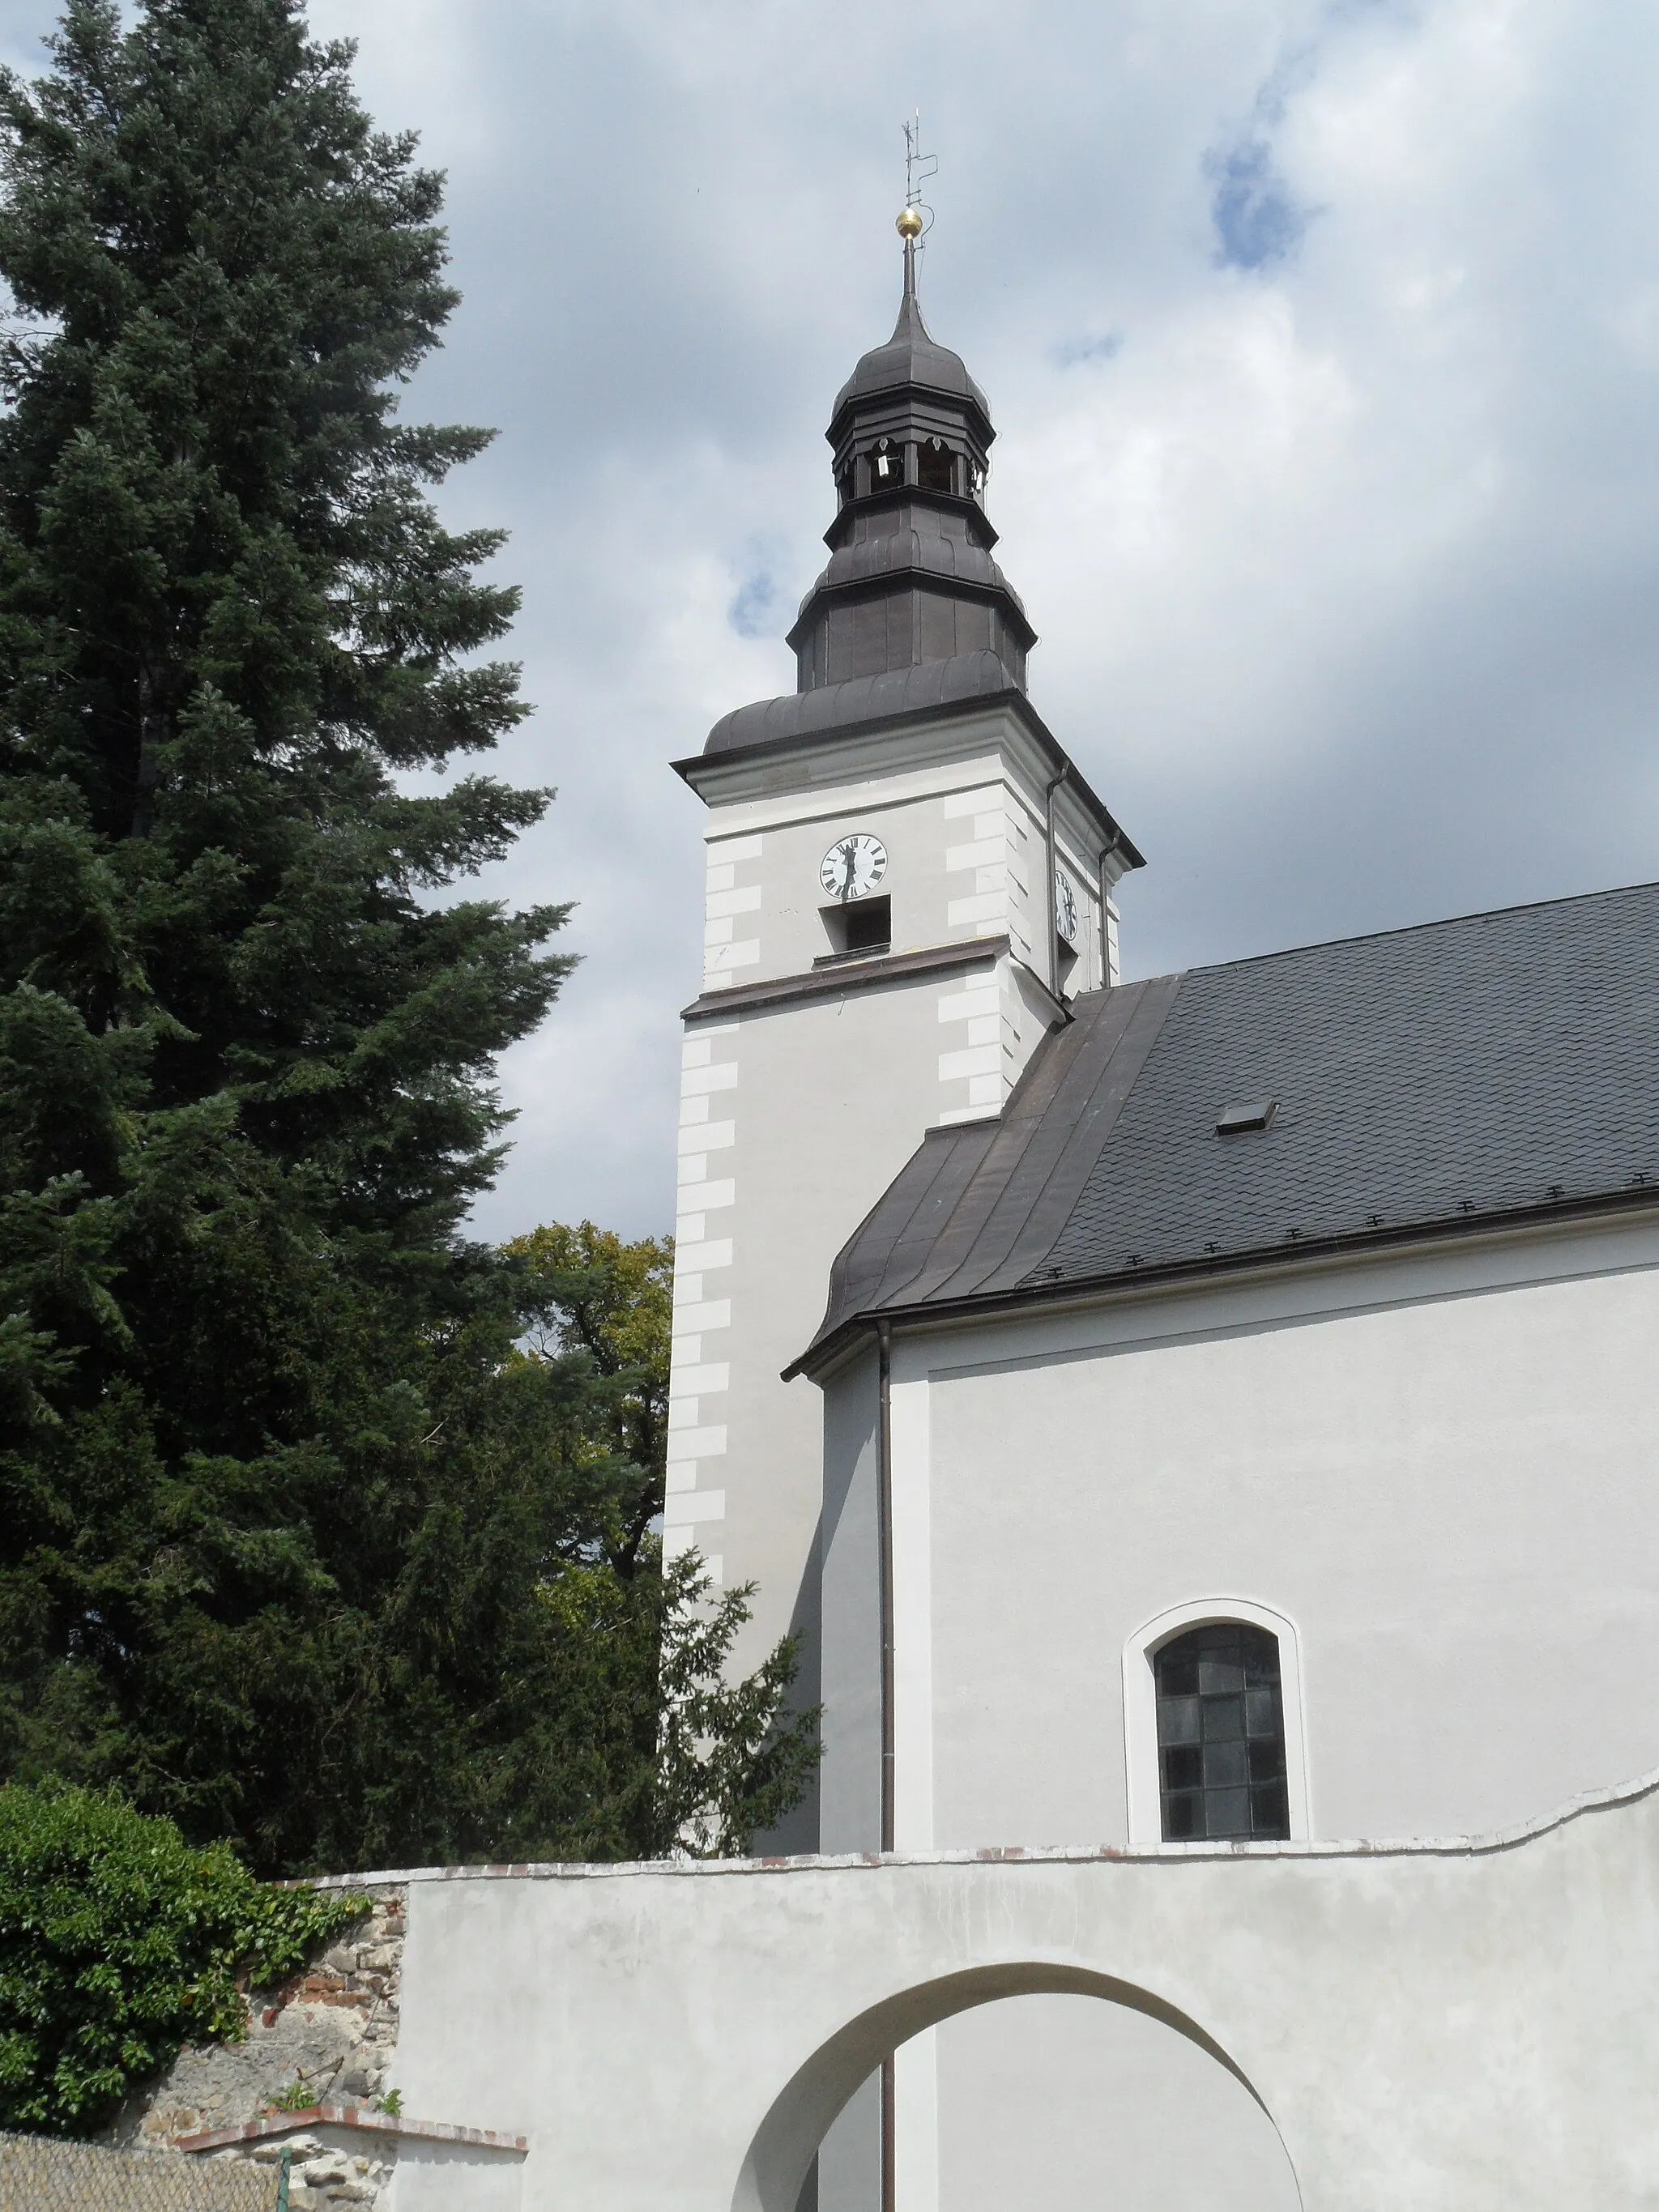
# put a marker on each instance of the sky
(1322, 343)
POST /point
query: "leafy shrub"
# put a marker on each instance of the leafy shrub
(119, 1944)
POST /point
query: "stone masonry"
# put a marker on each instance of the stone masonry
(327, 2037)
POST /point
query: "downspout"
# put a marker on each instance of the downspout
(884, 1542)
(889, 2138)
(885, 1547)
(1053, 883)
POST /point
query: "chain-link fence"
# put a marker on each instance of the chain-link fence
(39, 2175)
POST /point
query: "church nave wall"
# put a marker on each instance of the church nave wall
(1439, 1468)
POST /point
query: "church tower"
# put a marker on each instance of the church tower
(907, 882)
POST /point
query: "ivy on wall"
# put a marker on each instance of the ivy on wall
(119, 1943)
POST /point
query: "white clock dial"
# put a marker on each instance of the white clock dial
(852, 869)
(1064, 911)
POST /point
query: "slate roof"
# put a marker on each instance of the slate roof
(1495, 1067)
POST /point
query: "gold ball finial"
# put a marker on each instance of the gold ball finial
(909, 222)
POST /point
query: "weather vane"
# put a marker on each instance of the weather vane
(916, 217)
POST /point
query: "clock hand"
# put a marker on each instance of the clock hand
(851, 859)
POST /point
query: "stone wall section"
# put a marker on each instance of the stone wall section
(327, 2037)
(327, 2165)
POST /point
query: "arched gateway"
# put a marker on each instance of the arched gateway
(1460, 2026)
(781, 2156)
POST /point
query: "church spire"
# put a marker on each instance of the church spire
(910, 579)
(910, 228)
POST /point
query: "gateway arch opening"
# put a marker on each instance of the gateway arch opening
(1083, 2095)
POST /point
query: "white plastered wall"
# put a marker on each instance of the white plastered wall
(1438, 1466)
(1465, 2026)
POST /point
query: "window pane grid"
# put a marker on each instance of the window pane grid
(1221, 1734)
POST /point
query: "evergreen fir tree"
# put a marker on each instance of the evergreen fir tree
(284, 1514)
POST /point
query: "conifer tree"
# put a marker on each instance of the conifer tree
(283, 1508)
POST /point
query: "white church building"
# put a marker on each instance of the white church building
(1204, 1432)
(1216, 1410)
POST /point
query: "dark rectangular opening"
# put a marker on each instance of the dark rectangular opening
(1255, 1114)
(936, 467)
(861, 926)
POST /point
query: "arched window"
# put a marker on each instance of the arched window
(1214, 1729)
(936, 466)
(1221, 1733)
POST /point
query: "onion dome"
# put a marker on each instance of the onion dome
(911, 581)
(910, 356)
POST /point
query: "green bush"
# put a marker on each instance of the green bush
(119, 1944)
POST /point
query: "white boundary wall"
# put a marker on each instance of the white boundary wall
(1464, 2026)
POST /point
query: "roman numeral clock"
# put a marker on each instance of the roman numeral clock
(854, 867)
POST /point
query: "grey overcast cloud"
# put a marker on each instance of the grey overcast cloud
(1322, 342)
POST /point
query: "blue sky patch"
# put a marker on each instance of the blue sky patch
(1105, 347)
(1256, 221)
(752, 613)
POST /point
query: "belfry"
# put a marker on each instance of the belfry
(910, 579)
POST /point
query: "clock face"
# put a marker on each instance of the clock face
(852, 869)
(1064, 911)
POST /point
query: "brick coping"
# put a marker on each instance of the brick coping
(349, 2116)
(1477, 1846)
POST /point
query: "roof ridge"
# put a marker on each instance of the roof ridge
(1401, 929)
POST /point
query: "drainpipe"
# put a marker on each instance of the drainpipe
(889, 2138)
(884, 1542)
(1053, 883)
(884, 1545)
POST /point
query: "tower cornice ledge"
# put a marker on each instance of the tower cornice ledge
(801, 723)
(855, 972)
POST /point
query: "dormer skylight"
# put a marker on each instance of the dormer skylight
(1254, 1113)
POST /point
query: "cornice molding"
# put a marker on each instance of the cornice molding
(852, 748)
(847, 975)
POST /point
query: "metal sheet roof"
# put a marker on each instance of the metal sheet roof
(1434, 1078)
(931, 685)
(911, 356)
